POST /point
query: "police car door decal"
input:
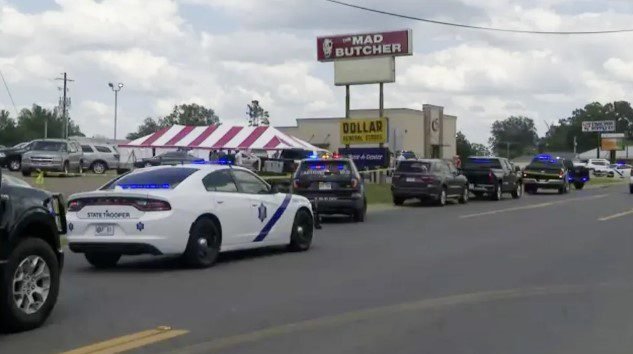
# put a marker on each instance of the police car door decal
(273, 220)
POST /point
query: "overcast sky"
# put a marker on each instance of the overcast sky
(224, 53)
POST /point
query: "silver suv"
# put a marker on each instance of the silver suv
(100, 157)
(52, 155)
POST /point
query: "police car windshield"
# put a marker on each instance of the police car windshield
(481, 163)
(545, 164)
(325, 169)
(414, 166)
(161, 178)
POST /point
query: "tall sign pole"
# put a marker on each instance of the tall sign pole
(365, 58)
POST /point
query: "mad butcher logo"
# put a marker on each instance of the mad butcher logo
(365, 45)
(327, 48)
(108, 215)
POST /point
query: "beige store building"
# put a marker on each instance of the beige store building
(428, 132)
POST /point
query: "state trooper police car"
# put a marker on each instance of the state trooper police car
(194, 210)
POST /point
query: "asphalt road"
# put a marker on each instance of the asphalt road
(538, 275)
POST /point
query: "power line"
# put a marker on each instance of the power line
(477, 27)
(9, 93)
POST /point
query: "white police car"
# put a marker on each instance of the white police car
(196, 211)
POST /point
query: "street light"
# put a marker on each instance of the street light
(116, 90)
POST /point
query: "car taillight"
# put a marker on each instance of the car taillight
(74, 205)
(561, 174)
(428, 179)
(295, 184)
(354, 183)
(396, 176)
(491, 177)
(117, 156)
(151, 205)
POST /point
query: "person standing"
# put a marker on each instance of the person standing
(239, 159)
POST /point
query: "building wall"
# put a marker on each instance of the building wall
(450, 131)
(406, 130)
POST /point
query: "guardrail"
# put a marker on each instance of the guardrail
(379, 176)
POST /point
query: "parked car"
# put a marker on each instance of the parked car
(12, 157)
(55, 155)
(493, 176)
(333, 185)
(31, 257)
(619, 170)
(428, 179)
(168, 158)
(599, 167)
(100, 157)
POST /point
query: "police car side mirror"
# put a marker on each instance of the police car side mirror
(274, 189)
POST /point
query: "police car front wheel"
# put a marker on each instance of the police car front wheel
(204, 243)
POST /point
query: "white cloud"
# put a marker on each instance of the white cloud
(165, 57)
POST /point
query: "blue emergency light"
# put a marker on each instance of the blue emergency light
(145, 186)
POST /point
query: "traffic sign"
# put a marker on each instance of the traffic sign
(598, 126)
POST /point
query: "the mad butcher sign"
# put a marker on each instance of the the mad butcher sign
(365, 45)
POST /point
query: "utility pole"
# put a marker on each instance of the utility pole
(65, 103)
(575, 145)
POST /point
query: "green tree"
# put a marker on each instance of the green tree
(7, 129)
(31, 124)
(463, 146)
(257, 115)
(516, 135)
(149, 126)
(479, 150)
(184, 114)
(190, 114)
(560, 137)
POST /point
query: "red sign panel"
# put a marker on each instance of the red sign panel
(364, 45)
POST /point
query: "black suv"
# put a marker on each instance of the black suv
(12, 157)
(334, 186)
(31, 258)
(429, 179)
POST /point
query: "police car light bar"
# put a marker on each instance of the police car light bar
(145, 186)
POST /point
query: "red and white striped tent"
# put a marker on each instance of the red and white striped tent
(220, 137)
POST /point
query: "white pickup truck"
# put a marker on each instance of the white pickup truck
(599, 167)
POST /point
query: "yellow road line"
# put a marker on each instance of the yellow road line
(130, 341)
(532, 206)
(372, 313)
(615, 216)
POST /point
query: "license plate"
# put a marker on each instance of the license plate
(410, 179)
(325, 186)
(471, 186)
(326, 198)
(104, 230)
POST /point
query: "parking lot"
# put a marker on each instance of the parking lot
(409, 279)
